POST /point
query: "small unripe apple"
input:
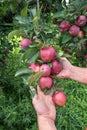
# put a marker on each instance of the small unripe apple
(35, 67)
(59, 98)
(45, 69)
(81, 34)
(64, 25)
(47, 53)
(45, 82)
(25, 43)
(56, 67)
(74, 30)
(81, 20)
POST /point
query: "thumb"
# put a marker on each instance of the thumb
(62, 74)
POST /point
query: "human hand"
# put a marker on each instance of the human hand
(65, 73)
(44, 105)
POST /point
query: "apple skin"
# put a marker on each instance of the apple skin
(59, 98)
(47, 53)
(35, 67)
(45, 82)
(25, 43)
(64, 26)
(56, 67)
(81, 20)
(45, 69)
(74, 30)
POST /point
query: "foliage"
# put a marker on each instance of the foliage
(73, 45)
(19, 19)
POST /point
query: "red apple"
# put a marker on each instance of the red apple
(56, 67)
(45, 82)
(47, 53)
(45, 69)
(74, 30)
(81, 20)
(25, 43)
(35, 67)
(64, 25)
(59, 98)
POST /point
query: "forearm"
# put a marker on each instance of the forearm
(78, 74)
(45, 123)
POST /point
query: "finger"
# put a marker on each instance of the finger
(35, 101)
(63, 59)
(35, 98)
(61, 75)
(52, 91)
(39, 91)
(32, 91)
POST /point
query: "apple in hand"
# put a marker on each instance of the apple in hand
(59, 98)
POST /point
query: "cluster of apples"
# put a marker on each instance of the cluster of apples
(76, 29)
(47, 55)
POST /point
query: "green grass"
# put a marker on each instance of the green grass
(73, 116)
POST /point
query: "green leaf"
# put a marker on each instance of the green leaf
(66, 37)
(33, 11)
(34, 78)
(24, 71)
(36, 18)
(24, 11)
(57, 48)
(22, 20)
(30, 55)
(85, 28)
(82, 41)
(25, 78)
(38, 45)
(59, 14)
(33, 58)
(15, 32)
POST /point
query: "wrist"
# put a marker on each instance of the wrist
(44, 117)
(48, 123)
(71, 71)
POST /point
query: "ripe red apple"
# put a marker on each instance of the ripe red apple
(81, 20)
(45, 82)
(25, 43)
(35, 67)
(45, 69)
(59, 98)
(47, 53)
(74, 30)
(81, 34)
(56, 67)
(64, 25)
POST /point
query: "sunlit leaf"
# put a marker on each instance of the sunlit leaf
(24, 71)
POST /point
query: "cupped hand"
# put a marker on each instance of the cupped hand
(67, 66)
(44, 105)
